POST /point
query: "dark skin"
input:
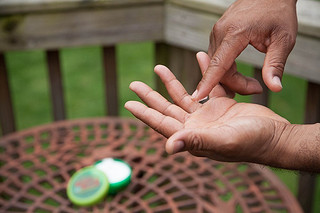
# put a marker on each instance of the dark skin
(224, 130)
(221, 128)
(270, 26)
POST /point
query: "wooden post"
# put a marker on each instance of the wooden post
(110, 77)
(162, 57)
(307, 181)
(263, 98)
(6, 110)
(56, 88)
(191, 73)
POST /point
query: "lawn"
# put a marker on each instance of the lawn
(82, 76)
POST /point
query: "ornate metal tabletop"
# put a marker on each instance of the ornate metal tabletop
(36, 164)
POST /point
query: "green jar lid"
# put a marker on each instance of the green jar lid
(87, 186)
(117, 171)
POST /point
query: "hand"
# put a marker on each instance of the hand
(220, 129)
(268, 25)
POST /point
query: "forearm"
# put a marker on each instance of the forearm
(298, 148)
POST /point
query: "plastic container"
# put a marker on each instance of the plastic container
(117, 171)
(88, 186)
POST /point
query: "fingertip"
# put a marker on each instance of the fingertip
(201, 54)
(133, 85)
(254, 87)
(273, 82)
(274, 87)
(169, 147)
(201, 92)
(164, 73)
(203, 61)
(277, 83)
(128, 105)
(194, 94)
(274, 65)
(159, 68)
(173, 147)
(170, 142)
(259, 88)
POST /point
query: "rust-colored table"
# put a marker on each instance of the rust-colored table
(36, 164)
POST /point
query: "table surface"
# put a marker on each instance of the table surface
(36, 164)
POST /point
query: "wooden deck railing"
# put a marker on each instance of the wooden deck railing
(179, 28)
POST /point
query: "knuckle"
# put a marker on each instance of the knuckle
(159, 127)
(218, 28)
(277, 65)
(233, 30)
(292, 40)
(287, 39)
(167, 108)
(149, 94)
(216, 62)
(196, 143)
(227, 28)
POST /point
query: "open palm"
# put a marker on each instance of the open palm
(220, 129)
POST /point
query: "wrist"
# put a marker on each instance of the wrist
(275, 147)
(298, 148)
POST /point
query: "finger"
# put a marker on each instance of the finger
(165, 125)
(239, 83)
(212, 45)
(221, 62)
(203, 61)
(175, 89)
(229, 93)
(234, 80)
(274, 64)
(155, 101)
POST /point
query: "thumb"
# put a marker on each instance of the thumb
(273, 66)
(193, 140)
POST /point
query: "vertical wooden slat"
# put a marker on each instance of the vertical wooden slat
(6, 110)
(191, 73)
(176, 61)
(182, 63)
(110, 75)
(56, 88)
(263, 98)
(161, 57)
(307, 181)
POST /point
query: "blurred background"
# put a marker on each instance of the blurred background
(83, 81)
(82, 75)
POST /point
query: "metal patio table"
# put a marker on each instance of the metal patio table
(36, 164)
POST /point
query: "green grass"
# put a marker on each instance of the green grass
(82, 78)
(84, 96)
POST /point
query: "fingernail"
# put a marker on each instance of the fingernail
(178, 146)
(277, 81)
(194, 95)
